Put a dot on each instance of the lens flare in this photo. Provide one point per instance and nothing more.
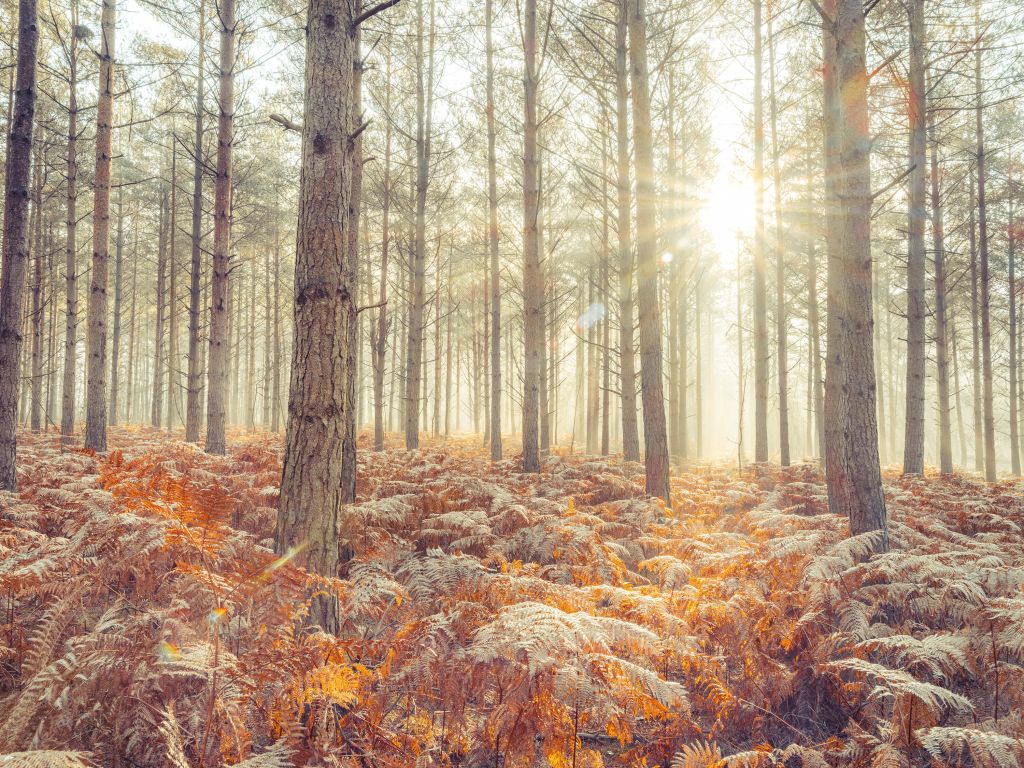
(593, 315)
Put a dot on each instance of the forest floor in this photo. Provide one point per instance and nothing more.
(491, 618)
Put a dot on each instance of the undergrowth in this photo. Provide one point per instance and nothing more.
(495, 619)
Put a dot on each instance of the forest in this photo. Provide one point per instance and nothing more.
(512, 384)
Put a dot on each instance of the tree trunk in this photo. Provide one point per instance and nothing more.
(96, 402)
(532, 288)
(782, 345)
(656, 458)
(38, 298)
(414, 347)
(1012, 298)
(115, 341)
(913, 443)
(627, 371)
(983, 276)
(130, 389)
(156, 403)
(193, 415)
(217, 366)
(380, 335)
(319, 401)
(851, 448)
(979, 431)
(492, 243)
(173, 374)
(941, 329)
(67, 412)
(760, 266)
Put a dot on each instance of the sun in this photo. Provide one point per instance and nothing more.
(728, 212)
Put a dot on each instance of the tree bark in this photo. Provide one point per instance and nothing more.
(193, 414)
(627, 370)
(983, 276)
(760, 265)
(115, 340)
(492, 243)
(156, 401)
(67, 412)
(532, 288)
(941, 328)
(782, 344)
(913, 443)
(656, 458)
(319, 401)
(96, 402)
(414, 346)
(380, 335)
(851, 451)
(217, 366)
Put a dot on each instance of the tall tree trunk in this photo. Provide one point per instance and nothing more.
(492, 243)
(983, 276)
(380, 335)
(193, 406)
(319, 401)
(38, 298)
(217, 367)
(941, 329)
(173, 373)
(961, 432)
(851, 449)
(156, 402)
(414, 347)
(760, 266)
(115, 341)
(1012, 298)
(96, 401)
(130, 389)
(627, 370)
(532, 287)
(544, 270)
(656, 458)
(67, 412)
(275, 409)
(782, 344)
(913, 442)
(979, 430)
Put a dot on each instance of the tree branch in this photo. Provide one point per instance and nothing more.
(285, 123)
(371, 12)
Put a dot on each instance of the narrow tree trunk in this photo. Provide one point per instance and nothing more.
(627, 371)
(913, 442)
(380, 335)
(193, 414)
(319, 400)
(760, 266)
(115, 341)
(961, 432)
(131, 389)
(983, 277)
(979, 430)
(656, 458)
(173, 373)
(67, 412)
(156, 403)
(38, 298)
(96, 402)
(217, 366)
(941, 330)
(1012, 298)
(275, 403)
(532, 288)
(492, 243)
(851, 447)
(782, 343)
(414, 347)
